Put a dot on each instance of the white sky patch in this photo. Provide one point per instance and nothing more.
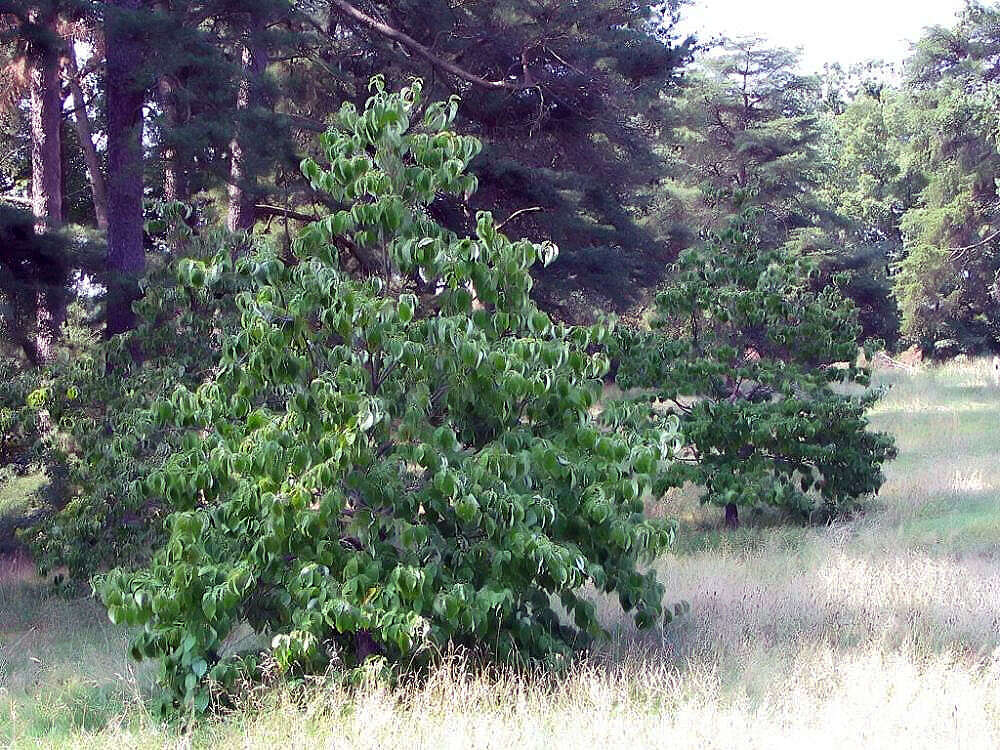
(845, 31)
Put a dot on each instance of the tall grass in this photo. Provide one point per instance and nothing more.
(880, 632)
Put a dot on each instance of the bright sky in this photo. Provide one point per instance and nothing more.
(845, 31)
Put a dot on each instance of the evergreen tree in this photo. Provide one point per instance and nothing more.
(34, 31)
(749, 131)
(863, 192)
(565, 97)
(46, 117)
(84, 123)
(125, 95)
(34, 276)
(947, 284)
(755, 132)
(254, 59)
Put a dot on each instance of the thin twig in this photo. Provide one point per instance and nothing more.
(517, 213)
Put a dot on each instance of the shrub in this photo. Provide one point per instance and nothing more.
(395, 459)
(748, 354)
(85, 416)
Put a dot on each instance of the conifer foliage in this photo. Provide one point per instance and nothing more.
(747, 133)
(393, 460)
(948, 285)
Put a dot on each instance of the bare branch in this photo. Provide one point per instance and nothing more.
(959, 250)
(414, 46)
(516, 214)
(266, 210)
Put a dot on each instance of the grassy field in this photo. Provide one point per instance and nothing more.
(879, 632)
(20, 499)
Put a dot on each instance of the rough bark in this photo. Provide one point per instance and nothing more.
(175, 183)
(50, 318)
(85, 134)
(46, 177)
(242, 174)
(174, 176)
(46, 148)
(126, 258)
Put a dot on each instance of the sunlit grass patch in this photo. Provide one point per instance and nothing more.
(973, 527)
(19, 496)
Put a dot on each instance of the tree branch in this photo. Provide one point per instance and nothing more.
(266, 210)
(960, 250)
(414, 46)
(303, 123)
(365, 258)
(514, 215)
(85, 134)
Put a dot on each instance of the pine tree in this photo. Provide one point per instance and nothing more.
(46, 115)
(947, 284)
(125, 95)
(31, 31)
(749, 130)
(85, 131)
(34, 28)
(566, 98)
(217, 127)
(863, 193)
(246, 155)
(34, 277)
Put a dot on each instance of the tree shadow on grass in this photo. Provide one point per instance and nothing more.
(701, 527)
(63, 665)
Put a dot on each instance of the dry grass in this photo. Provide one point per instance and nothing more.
(881, 632)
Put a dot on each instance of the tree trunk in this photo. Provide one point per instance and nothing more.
(175, 183)
(85, 134)
(126, 258)
(46, 120)
(22, 302)
(50, 318)
(732, 516)
(174, 177)
(242, 173)
(46, 177)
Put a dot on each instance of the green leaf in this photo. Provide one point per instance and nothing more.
(199, 667)
(209, 605)
(406, 307)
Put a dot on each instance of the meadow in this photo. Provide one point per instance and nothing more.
(879, 631)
